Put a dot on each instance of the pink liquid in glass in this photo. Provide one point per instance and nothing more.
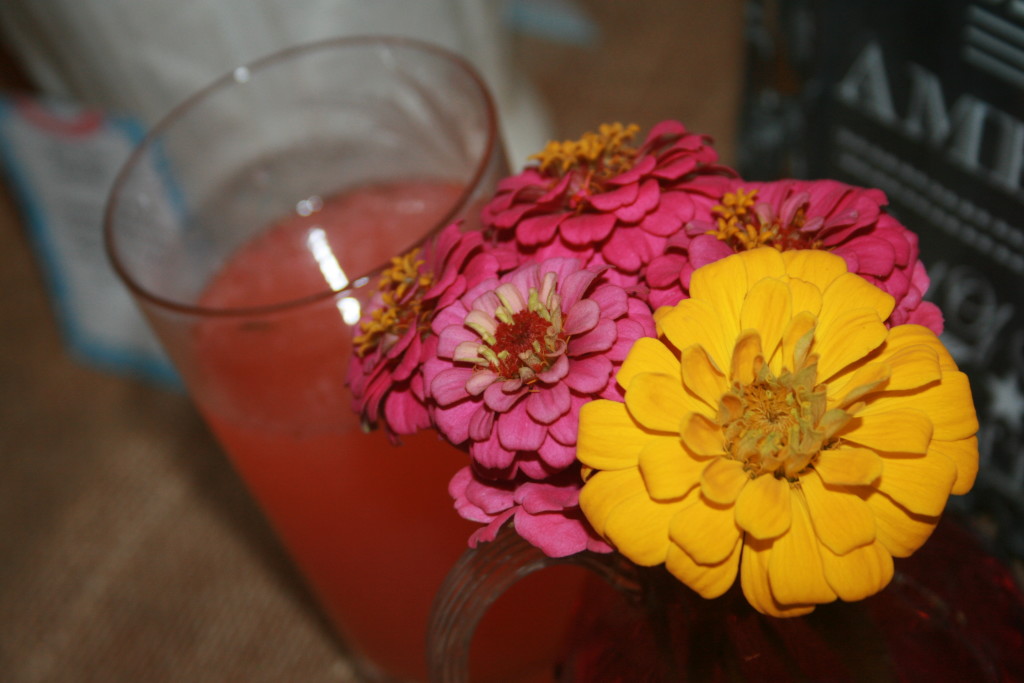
(370, 525)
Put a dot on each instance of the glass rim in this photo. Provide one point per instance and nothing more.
(229, 79)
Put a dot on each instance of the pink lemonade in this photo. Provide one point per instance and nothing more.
(370, 525)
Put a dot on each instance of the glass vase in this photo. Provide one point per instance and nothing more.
(952, 612)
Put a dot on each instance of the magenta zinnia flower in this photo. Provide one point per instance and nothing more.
(798, 214)
(517, 357)
(604, 201)
(384, 372)
(545, 513)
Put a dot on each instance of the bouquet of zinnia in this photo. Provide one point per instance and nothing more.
(643, 353)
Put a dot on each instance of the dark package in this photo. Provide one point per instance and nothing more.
(924, 100)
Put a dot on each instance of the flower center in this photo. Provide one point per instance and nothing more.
(744, 224)
(524, 337)
(401, 285)
(777, 425)
(593, 159)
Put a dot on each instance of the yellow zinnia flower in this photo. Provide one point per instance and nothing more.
(777, 429)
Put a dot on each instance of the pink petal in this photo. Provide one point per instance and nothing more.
(589, 375)
(518, 432)
(874, 256)
(489, 498)
(498, 399)
(705, 249)
(629, 249)
(556, 372)
(538, 497)
(644, 166)
(664, 270)
(929, 315)
(449, 385)
(553, 533)
(587, 228)
(490, 454)
(564, 430)
(646, 200)
(597, 340)
(490, 532)
(611, 299)
(548, 404)
(404, 414)
(582, 316)
(573, 286)
(451, 336)
(557, 455)
(453, 422)
(620, 196)
(539, 229)
(481, 424)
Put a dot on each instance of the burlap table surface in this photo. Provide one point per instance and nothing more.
(129, 549)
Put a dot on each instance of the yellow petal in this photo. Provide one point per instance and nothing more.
(702, 436)
(817, 267)
(911, 335)
(851, 289)
(900, 430)
(850, 387)
(806, 297)
(668, 470)
(701, 377)
(658, 402)
(708, 580)
(912, 366)
(756, 586)
(842, 521)
(921, 485)
(801, 324)
(638, 528)
(722, 480)
(695, 322)
(746, 356)
(761, 263)
(913, 361)
(848, 466)
(948, 404)
(900, 531)
(764, 508)
(964, 454)
(794, 567)
(722, 285)
(846, 337)
(705, 530)
(609, 438)
(767, 308)
(858, 574)
(604, 491)
(647, 355)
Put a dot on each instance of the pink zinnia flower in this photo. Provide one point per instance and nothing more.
(384, 372)
(606, 202)
(517, 357)
(798, 214)
(545, 513)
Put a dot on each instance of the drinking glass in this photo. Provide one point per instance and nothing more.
(251, 225)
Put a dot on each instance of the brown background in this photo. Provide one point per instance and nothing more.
(128, 548)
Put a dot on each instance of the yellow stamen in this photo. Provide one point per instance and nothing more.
(778, 425)
(401, 286)
(743, 228)
(603, 154)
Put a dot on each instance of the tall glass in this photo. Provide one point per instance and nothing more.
(250, 226)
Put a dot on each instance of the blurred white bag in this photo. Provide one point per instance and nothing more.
(142, 57)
